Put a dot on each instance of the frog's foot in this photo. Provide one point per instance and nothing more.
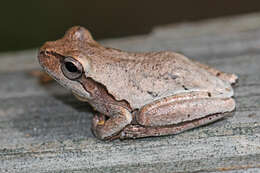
(43, 77)
(98, 121)
(229, 77)
(138, 131)
(177, 113)
(106, 129)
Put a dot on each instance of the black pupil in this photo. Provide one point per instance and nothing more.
(71, 67)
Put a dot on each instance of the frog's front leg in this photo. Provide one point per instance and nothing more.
(105, 129)
(43, 77)
(174, 114)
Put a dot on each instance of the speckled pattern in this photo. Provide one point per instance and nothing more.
(138, 78)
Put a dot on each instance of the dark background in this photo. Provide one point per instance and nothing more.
(29, 23)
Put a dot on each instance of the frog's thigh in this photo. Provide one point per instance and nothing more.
(175, 110)
(107, 128)
(137, 131)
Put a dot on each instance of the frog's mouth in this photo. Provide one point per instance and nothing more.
(81, 98)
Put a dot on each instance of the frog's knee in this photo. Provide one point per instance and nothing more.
(230, 104)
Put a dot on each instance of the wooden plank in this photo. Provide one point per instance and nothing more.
(44, 128)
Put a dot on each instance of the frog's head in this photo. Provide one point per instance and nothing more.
(65, 59)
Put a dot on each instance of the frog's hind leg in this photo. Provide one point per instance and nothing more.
(177, 113)
(229, 77)
(138, 131)
(183, 107)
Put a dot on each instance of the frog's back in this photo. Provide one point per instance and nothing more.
(141, 78)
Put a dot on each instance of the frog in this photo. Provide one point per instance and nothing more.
(137, 94)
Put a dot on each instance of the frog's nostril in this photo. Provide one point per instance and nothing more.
(43, 53)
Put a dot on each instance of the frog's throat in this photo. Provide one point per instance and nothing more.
(83, 99)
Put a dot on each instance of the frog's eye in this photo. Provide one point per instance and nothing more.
(71, 68)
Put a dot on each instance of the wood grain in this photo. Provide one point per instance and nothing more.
(44, 128)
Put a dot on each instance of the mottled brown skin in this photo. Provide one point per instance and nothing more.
(137, 94)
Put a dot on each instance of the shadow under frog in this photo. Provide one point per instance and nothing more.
(54, 116)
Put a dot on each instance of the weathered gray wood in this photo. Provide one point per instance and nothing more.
(44, 128)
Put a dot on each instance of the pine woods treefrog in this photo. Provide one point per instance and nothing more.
(137, 94)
